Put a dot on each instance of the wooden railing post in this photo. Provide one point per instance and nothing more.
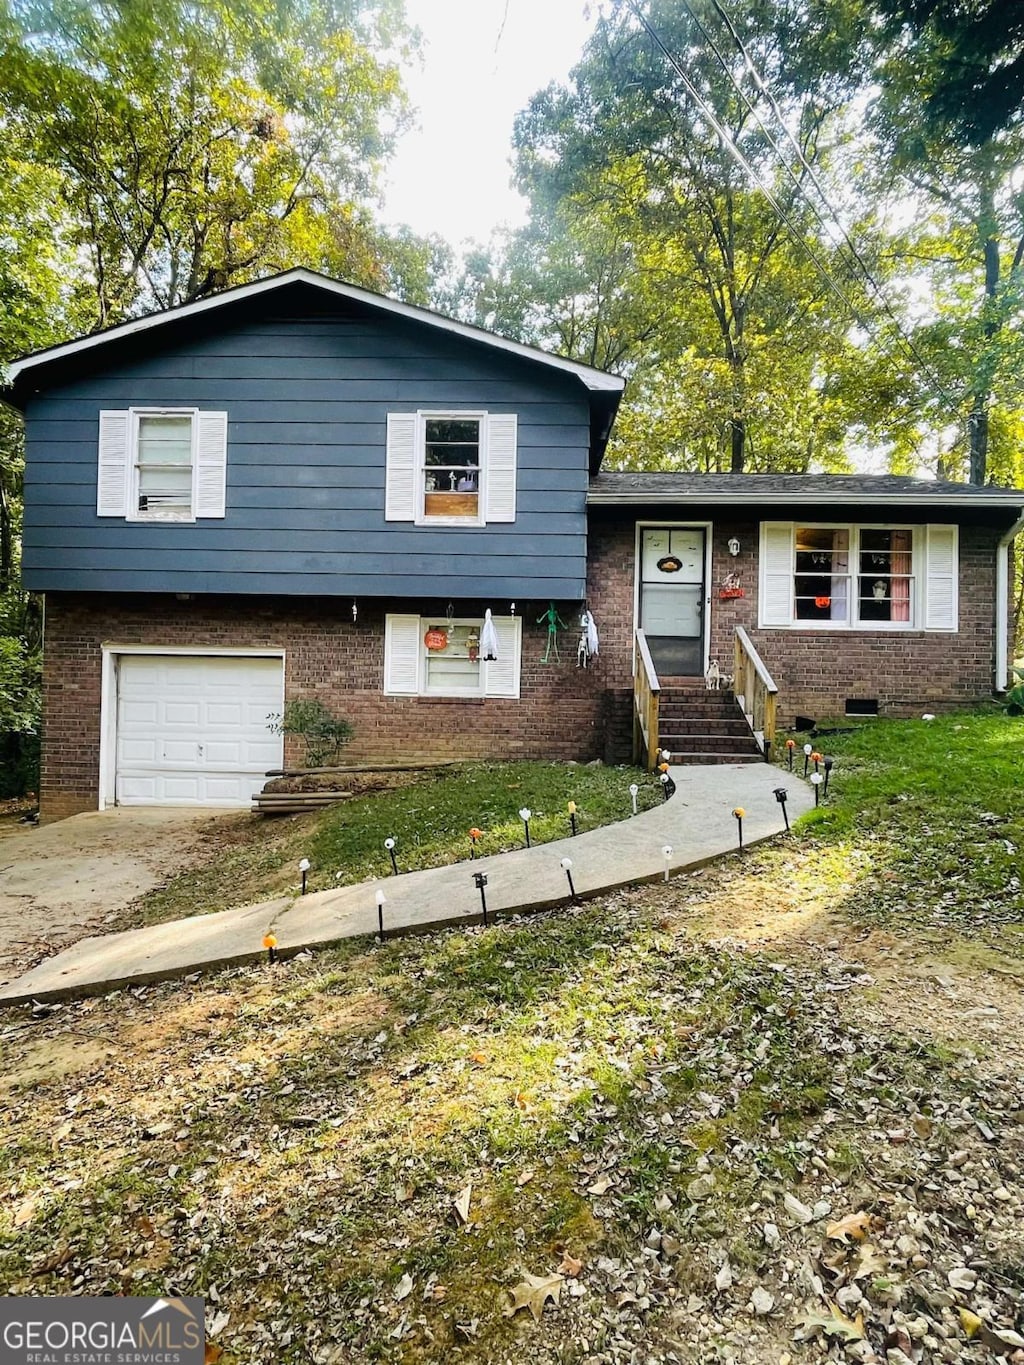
(646, 700)
(756, 686)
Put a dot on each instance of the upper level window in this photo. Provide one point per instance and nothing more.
(454, 468)
(163, 465)
(451, 467)
(859, 577)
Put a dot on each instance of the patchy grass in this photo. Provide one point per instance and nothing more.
(428, 814)
(933, 814)
(639, 1092)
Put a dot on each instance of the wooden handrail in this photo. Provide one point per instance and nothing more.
(646, 699)
(755, 690)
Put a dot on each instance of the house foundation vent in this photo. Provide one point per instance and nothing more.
(862, 706)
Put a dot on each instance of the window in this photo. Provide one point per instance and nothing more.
(858, 577)
(162, 464)
(451, 468)
(433, 656)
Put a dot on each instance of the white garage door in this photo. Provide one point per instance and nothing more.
(192, 731)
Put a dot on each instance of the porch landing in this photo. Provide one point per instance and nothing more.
(697, 823)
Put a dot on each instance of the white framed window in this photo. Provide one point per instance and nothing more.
(451, 467)
(162, 464)
(858, 577)
(434, 656)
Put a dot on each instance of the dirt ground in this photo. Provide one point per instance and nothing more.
(63, 881)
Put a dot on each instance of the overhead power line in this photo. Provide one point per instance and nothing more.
(727, 141)
(812, 175)
(795, 233)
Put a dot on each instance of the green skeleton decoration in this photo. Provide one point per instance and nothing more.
(554, 623)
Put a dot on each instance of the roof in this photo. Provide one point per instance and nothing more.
(597, 381)
(623, 488)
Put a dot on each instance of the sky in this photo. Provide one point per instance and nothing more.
(482, 60)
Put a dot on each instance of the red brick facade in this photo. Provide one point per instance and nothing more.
(816, 671)
(563, 712)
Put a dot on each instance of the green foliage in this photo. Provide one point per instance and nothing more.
(194, 147)
(323, 734)
(1015, 695)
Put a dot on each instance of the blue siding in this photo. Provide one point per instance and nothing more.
(307, 402)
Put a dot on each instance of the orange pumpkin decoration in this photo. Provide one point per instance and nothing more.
(436, 639)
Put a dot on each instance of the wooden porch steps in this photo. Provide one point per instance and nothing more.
(698, 726)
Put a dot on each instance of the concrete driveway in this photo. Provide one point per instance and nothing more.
(63, 881)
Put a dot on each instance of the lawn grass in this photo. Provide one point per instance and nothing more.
(934, 813)
(429, 818)
(625, 1084)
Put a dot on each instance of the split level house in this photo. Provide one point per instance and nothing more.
(300, 489)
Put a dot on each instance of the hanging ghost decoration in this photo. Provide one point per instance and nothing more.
(489, 638)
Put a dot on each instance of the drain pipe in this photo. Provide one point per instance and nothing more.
(1002, 604)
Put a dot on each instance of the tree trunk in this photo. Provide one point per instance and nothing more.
(978, 418)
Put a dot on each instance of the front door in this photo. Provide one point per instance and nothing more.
(672, 598)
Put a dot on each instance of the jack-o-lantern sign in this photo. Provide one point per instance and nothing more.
(436, 639)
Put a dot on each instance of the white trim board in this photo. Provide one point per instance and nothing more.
(108, 695)
(596, 380)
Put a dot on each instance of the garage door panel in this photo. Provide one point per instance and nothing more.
(192, 730)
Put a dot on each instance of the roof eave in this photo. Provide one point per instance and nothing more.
(637, 497)
(597, 381)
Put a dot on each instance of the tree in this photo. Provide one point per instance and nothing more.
(195, 147)
(696, 286)
(949, 120)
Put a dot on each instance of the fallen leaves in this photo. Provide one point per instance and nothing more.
(461, 1204)
(533, 1292)
(855, 1225)
(834, 1324)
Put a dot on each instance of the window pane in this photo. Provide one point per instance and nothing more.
(457, 667)
(462, 430)
(885, 581)
(164, 488)
(165, 440)
(822, 573)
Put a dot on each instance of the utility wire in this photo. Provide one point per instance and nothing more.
(811, 175)
(731, 147)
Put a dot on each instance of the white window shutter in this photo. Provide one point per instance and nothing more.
(402, 650)
(211, 447)
(400, 498)
(113, 474)
(776, 595)
(941, 572)
(500, 467)
(501, 675)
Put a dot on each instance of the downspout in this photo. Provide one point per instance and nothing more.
(1003, 604)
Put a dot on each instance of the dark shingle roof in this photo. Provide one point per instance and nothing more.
(627, 487)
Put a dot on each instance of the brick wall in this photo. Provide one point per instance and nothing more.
(561, 713)
(816, 671)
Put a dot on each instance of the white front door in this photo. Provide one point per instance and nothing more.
(192, 729)
(672, 598)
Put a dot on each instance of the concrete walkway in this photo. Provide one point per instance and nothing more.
(697, 823)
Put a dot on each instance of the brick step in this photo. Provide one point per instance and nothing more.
(705, 725)
(692, 759)
(725, 744)
(675, 711)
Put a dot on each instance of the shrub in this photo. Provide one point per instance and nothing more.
(324, 735)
